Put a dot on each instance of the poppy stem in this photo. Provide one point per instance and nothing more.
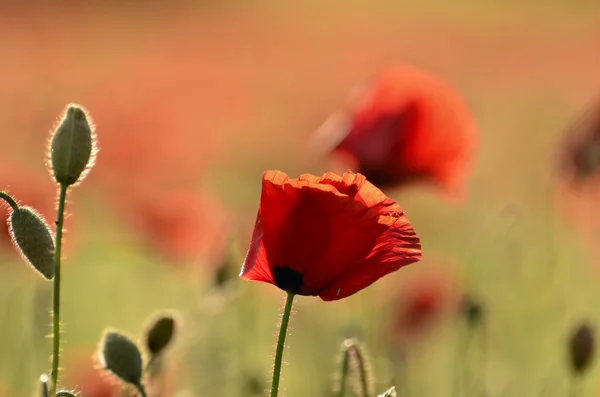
(345, 368)
(9, 200)
(56, 294)
(363, 372)
(285, 320)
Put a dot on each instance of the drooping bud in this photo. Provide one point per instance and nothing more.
(389, 393)
(160, 332)
(72, 146)
(582, 347)
(31, 236)
(121, 356)
(355, 358)
(65, 393)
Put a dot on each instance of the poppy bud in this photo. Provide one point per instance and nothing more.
(121, 356)
(355, 358)
(472, 310)
(32, 237)
(389, 393)
(582, 346)
(65, 393)
(72, 146)
(160, 332)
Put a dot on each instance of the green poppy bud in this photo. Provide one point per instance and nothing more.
(121, 356)
(160, 332)
(32, 237)
(72, 146)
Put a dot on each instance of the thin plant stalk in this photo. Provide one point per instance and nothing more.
(345, 371)
(56, 294)
(364, 377)
(285, 320)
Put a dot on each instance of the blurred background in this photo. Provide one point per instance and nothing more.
(194, 100)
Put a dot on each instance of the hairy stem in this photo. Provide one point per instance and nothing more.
(56, 294)
(345, 368)
(362, 370)
(285, 319)
(9, 200)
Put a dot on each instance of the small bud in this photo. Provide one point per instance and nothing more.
(65, 393)
(160, 331)
(472, 310)
(390, 393)
(32, 237)
(581, 348)
(121, 356)
(72, 146)
(355, 358)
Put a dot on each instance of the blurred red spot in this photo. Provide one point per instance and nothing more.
(422, 302)
(182, 225)
(82, 375)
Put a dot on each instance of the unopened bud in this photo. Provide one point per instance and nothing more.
(31, 236)
(72, 146)
(160, 332)
(390, 393)
(355, 357)
(472, 310)
(121, 356)
(582, 347)
(65, 393)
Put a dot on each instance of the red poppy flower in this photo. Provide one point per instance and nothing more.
(329, 237)
(405, 125)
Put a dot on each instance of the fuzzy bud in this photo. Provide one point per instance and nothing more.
(581, 348)
(65, 393)
(121, 356)
(160, 332)
(31, 236)
(389, 393)
(72, 146)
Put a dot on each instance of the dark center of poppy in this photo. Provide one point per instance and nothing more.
(288, 279)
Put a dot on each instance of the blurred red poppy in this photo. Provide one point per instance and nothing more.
(181, 224)
(422, 302)
(404, 126)
(327, 236)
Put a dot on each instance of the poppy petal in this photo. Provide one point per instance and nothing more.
(397, 247)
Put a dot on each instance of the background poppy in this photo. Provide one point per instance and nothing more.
(404, 125)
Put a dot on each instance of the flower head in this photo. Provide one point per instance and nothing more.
(405, 125)
(327, 236)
